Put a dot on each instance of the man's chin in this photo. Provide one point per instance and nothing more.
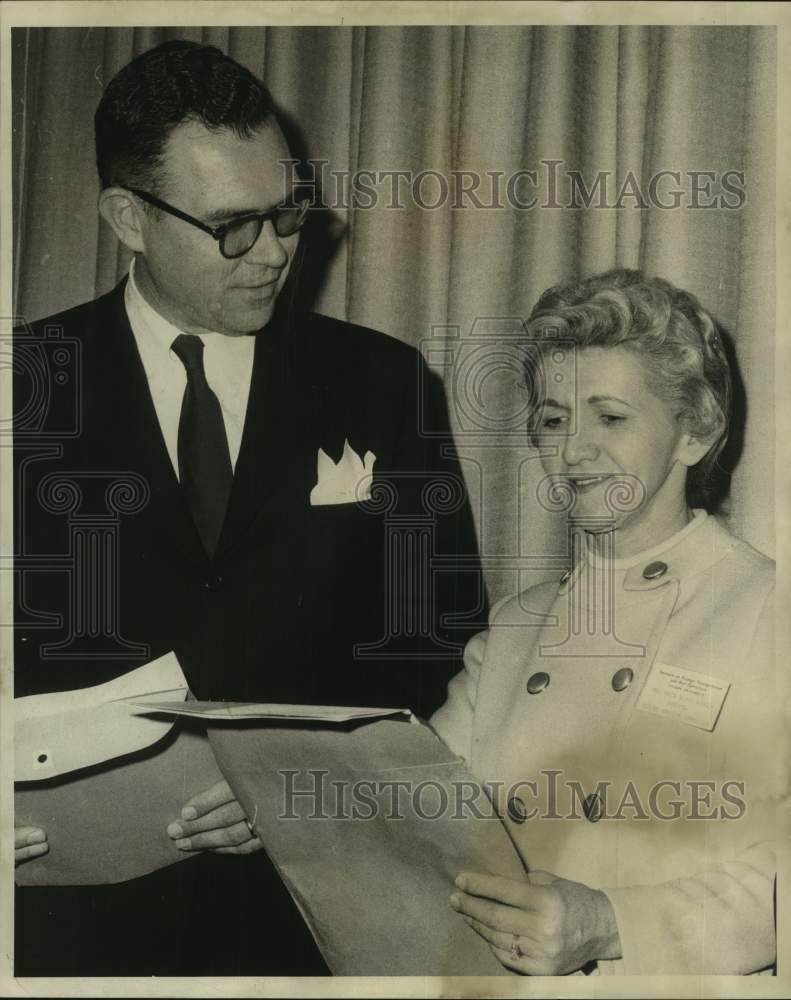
(244, 322)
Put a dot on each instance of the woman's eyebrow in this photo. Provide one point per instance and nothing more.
(609, 399)
(554, 404)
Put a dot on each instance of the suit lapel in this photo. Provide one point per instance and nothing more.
(276, 467)
(277, 458)
(127, 425)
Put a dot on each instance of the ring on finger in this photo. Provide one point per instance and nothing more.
(516, 951)
(250, 828)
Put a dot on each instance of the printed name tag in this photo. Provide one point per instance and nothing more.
(686, 695)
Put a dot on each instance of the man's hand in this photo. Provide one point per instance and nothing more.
(546, 926)
(214, 821)
(29, 842)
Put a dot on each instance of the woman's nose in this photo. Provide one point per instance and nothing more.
(580, 446)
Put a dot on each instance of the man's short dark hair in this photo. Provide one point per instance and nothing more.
(174, 83)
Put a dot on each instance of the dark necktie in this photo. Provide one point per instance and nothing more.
(204, 460)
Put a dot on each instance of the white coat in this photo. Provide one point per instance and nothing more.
(690, 895)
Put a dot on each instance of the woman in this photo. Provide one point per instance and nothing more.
(625, 713)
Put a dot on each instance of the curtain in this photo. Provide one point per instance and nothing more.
(446, 272)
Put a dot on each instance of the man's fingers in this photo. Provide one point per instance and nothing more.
(229, 836)
(27, 835)
(226, 815)
(202, 803)
(33, 851)
(249, 847)
(513, 892)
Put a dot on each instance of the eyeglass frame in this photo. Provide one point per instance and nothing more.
(220, 232)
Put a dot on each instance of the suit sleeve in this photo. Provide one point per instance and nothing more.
(721, 921)
(453, 722)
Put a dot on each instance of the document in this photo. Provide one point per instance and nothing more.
(366, 814)
(368, 827)
(219, 711)
(103, 780)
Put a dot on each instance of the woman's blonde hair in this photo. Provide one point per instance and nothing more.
(685, 361)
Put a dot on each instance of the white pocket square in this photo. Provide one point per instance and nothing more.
(348, 481)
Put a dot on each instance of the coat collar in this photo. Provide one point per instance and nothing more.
(695, 549)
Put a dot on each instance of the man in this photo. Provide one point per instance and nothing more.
(241, 420)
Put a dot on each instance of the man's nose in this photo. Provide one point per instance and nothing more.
(580, 446)
(268, 249)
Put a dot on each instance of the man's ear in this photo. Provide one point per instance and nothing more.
(692, 449)
(124, 215)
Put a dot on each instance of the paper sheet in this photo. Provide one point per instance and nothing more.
(60, 732)
(374, 891)
(103, 780)
(240, 710)
(361, 810)
(108, 823)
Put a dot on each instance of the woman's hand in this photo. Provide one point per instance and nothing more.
(546, 926)
(29, 842)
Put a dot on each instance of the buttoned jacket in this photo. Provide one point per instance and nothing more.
(555, 708)
(293, 606)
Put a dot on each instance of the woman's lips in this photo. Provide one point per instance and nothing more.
(584, 483)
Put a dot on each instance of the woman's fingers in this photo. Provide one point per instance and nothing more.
(497, 916)
(512, 892)
(498, 939)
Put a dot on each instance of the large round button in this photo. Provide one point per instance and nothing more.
(213, 582)
(516, 809)
(537, 682)
(655, 569)
(622, 678)
(593, 808)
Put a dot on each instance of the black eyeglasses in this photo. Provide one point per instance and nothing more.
(239, 235)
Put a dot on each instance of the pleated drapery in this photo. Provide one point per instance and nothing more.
(445, 270)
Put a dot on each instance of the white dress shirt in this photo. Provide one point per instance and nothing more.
(228, 362)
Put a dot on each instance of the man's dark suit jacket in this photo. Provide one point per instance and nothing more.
(110, 573)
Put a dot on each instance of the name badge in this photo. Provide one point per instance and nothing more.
(686, 695)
